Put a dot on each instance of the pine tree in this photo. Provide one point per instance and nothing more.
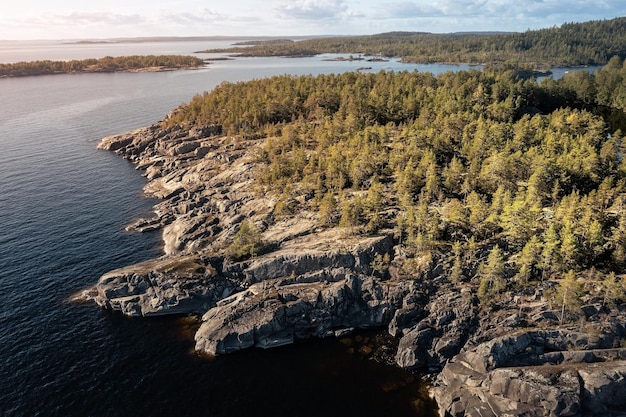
(613, 289)
(568, 295)
(247, 242)
(550, 259)
(528, 260)
(569, 248)
(492, 276)
(453, 175)
(328, 209)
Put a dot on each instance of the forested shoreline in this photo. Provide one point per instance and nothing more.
(106, 64)
(504, 181)
(571, 44)
(479, 216)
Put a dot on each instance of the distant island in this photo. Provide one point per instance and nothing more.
(262, 42)
(571, 44)
(133, 63)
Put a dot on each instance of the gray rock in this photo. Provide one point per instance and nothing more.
(510, 374)
(267, 315)
(432, 341)
(168, 285)
(604, 388)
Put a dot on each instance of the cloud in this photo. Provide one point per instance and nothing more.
(186, 18)
(90, 18)
(441, 8)
(512, 15)
(313, 9)
(498, 8)
(408, 9)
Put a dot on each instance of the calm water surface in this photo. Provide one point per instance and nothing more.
(63, 207)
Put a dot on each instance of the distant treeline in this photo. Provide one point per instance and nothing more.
(106, 64)
(589, 43)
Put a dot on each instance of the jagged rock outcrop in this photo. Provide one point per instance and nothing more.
(311, 282)
(535, 373)
(169, 285)
(440, 334)
(276, 312)
(206, 184)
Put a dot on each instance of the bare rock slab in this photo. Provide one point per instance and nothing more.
(168, 285)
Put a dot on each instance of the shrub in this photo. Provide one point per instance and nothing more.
(246, 243)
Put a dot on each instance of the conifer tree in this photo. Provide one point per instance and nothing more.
(328, 209)
(569, 247)
(492, 276)
(528, 260)
(568, 295)
(550, 259)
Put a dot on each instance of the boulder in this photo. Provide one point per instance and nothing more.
(520, 375)
(165, 286)
(294, 259)
(274, 312)
(604, 388)
(448, 321)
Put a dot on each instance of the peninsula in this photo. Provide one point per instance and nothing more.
(133, 63)
(478, 217)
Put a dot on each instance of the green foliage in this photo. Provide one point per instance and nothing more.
(528, 261)
(613, 289)
(456, 272)
(328, 210)
(492, 277)
(246, 243)
(380, 265)
(567, 295)
(550, 261)
(106, 64)
(589, 43)
(467, 160)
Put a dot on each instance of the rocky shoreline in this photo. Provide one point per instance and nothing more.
(312, 282)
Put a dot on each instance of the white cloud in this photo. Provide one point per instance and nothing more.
(313, 9)
(28, 19)
(184, 18)
(491, 15)
(503, 9)
(101, 18)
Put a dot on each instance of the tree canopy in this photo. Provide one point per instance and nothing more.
(588, 43)
(506, 179)
(106, 64)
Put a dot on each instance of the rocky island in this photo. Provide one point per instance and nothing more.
(477, 217)
(132, 63)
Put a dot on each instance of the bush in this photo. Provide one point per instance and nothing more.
(246, 243)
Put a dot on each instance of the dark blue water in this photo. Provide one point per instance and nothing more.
(63, 208)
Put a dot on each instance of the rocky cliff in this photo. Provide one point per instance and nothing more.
(307, 281)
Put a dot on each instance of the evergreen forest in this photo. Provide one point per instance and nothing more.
(501, 181)
(106, 64)
(571, 44)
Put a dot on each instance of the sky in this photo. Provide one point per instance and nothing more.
(80, 19)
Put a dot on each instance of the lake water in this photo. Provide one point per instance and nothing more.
(63, 208)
